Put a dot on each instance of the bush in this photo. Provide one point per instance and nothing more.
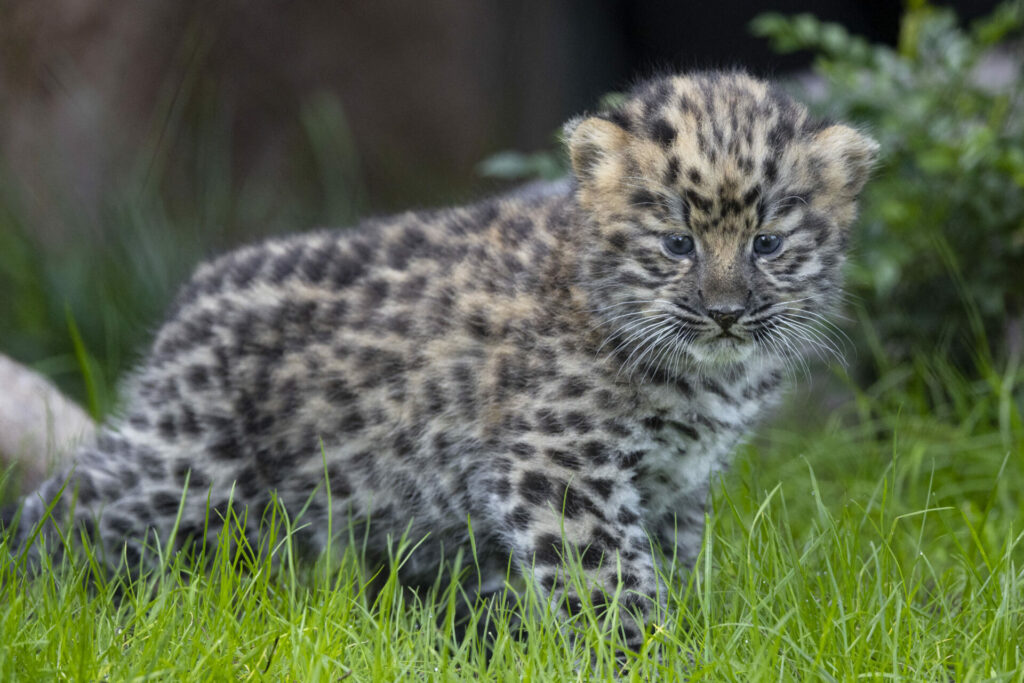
(940, 254)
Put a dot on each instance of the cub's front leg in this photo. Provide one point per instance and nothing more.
(557, 500)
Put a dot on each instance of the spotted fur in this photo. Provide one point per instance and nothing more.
(539, 364)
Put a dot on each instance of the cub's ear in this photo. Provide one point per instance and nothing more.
(592, 143)
(852, 154)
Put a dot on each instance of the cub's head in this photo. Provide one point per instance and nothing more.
(717, 214)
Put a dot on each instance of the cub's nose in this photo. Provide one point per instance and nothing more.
(725, 317)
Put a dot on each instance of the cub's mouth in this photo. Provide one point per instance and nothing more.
(727, 335)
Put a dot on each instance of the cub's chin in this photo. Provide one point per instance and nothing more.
(722, 350)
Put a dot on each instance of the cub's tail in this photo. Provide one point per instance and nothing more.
(37, 515)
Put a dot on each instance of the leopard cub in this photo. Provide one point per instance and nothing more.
(568, 370)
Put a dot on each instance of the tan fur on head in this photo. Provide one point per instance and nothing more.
(591, 142)
(596, 148)
(713, 140)
(721, 193)
(841, 162)
(852, 155)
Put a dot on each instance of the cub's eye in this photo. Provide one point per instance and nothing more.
(767, 244)
(677, 246)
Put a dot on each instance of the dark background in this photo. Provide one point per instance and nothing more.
(89, 88)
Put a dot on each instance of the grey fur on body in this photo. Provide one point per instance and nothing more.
(560, 367)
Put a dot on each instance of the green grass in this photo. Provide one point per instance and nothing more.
(882, 543)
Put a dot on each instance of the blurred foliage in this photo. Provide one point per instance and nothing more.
(80, 307)
(939, 262)
(512, 165)
(545, 164)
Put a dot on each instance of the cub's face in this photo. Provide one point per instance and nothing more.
(718, 215)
